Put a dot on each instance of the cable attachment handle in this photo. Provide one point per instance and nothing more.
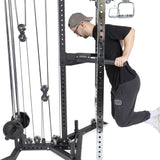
(112, 62)
(44, 90)
(125, 1)
(125, 9)
(21, 28)
(107, 1)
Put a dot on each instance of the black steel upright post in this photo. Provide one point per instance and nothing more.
(100, 50)
(62, 68)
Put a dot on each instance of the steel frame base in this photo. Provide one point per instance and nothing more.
(68, 150)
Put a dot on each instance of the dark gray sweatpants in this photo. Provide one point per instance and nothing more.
(123, 103)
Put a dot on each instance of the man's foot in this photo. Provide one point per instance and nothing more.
(155, 113)
(154, 119)
(156, 123)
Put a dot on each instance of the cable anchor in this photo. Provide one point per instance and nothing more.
(44, 90)
(21, 28)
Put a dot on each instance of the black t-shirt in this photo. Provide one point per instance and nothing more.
(113, 49)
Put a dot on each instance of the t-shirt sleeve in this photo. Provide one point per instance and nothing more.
(117, 32)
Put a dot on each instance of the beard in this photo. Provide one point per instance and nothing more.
(85, 36)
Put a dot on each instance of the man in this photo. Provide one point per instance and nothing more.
(124, 80)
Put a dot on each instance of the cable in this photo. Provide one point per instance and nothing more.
(25, 13)
(34, 3)
(42, 121)
(20, 51)
(46, 25)
(28, 64)
(10, 61)
(39, 60)
(47, 58)
(20, 55)
(29, 77)
(15, 4)
(14, 55)
(50, 118)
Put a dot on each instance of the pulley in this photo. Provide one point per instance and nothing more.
(21, 28)
(44, 90)
(23, 119)
(13, 130)
(29, 141)
(43, 140)
(37, 140)
(22, 37)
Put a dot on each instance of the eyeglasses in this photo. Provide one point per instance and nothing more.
(76, 29)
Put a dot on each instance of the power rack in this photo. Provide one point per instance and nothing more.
(67, 146)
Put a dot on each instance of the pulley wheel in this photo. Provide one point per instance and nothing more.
(21, 27)
(23, 119)
(13, 130)
(22, 37)
(37, 140)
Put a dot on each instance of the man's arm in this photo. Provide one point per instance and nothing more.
(128, 45)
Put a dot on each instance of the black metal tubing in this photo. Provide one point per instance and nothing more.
(83, 130)
(61, 6)
(74, 146)
(30, 147)
(13, 155)
(79, 58)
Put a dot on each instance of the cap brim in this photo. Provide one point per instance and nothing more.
(89, 19)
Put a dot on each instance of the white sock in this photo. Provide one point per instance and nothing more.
(151, 121)
(154, 113)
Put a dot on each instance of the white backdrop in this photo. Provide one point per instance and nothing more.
(136, 142)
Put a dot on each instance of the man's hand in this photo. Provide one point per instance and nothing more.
(120, 61)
